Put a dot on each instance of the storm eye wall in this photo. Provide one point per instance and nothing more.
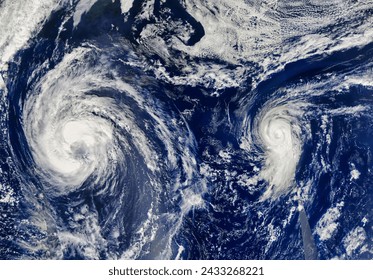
(185, 129)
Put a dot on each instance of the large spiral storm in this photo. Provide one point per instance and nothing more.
(186, 129)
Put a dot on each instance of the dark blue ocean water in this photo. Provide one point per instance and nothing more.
(130, 209)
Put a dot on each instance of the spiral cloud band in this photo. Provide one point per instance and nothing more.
(70, 129)
(215, 129)
(280, 133)
(81, 123)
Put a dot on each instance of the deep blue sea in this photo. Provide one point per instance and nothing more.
(186, 129)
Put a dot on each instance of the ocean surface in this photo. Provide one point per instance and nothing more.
(186, 129)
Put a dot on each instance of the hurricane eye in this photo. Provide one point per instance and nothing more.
(80, 150)
(277, 129)
(186, 129)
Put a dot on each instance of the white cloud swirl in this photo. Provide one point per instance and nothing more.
(68, 137)
(279, 130)
(89, 129)
(275, 137)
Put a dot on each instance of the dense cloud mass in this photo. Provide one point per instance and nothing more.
(188, 129)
